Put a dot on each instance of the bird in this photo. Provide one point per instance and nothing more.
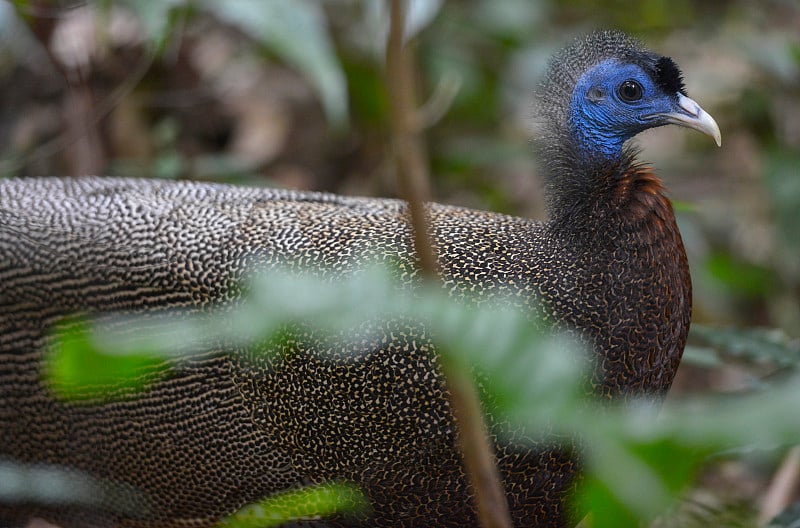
(224, 431)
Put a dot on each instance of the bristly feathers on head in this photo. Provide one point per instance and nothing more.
(568, 173)
(669, 77)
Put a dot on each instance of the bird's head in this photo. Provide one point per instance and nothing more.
(618, 98)
(605, 89)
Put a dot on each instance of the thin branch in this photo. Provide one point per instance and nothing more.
(782, 489)
(412, 175)
(410, 155)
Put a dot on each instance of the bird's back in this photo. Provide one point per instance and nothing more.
(226, 431)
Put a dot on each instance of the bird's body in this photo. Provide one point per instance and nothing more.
(222, 432)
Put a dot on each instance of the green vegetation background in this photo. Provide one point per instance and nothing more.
(292, 94)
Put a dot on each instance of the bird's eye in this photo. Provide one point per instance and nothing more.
(630, 91)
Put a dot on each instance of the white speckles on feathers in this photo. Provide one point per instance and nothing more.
(224, 431)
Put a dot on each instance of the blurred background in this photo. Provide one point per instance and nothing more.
(292, 94)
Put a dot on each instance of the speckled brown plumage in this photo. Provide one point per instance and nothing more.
(225, 431)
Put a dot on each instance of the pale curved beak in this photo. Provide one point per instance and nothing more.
(690, 115)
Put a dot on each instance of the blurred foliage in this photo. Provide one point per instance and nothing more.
(639, 459)
(306, 503)
(122, 371)
(765, 346)
(277, 26)
(788, 519)
(292, 94)
(60, 487)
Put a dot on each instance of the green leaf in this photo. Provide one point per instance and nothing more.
(61, 487)
(305, 503)
(78, 369)
(783, 184)
(627, 480)
(682, 206)
(637, 459)
(595, 496)
(701, 356)
(671, 458)
(756, 345)
(367, 93)
(296, 32)
(741, 277)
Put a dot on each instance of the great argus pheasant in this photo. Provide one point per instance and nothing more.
(221, 432)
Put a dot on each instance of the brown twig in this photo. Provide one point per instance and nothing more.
(410, 155)
(782, 489)
(412, 175)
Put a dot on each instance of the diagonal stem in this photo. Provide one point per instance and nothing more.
(412, 175)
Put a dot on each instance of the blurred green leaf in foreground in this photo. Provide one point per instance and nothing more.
(638, 459)
(305, 503)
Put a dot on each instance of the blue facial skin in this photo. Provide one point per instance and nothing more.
(601, 122)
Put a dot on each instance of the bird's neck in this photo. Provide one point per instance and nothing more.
(622, 235)
(637, 201)
(639, 193)
(596, 197)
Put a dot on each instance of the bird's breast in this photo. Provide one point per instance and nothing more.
(627, 288)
